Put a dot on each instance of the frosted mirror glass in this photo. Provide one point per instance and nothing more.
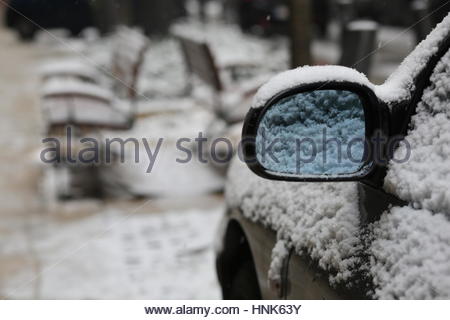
(320, 132)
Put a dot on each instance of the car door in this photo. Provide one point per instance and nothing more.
(418, 95)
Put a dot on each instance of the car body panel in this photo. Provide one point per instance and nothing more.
(303, 279)
(306, 282)
(259, 239)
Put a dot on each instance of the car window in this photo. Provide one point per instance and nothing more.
(424, 179)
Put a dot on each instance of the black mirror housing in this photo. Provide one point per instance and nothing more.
(375, 121)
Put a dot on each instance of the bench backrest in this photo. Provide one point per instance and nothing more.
(129, 48)
(200, 61)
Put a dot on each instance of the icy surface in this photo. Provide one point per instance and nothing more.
(320, 132)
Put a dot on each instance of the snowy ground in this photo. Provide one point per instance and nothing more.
(145, 250)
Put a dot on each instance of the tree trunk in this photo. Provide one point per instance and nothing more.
(156, 16)
(300, 32)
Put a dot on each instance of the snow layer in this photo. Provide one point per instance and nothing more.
(231, 47)
(424, 179)
(71, 86)
(67, 68)
(411, 247)
(410, 255)
(400, 83)
(320, 219)
(162, 73)
(120, 254)
(168, 178)
(81, 110)
(306, 75)
(279, 254)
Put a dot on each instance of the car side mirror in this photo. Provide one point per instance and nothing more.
(316, 132)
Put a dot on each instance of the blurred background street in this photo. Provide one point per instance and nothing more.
(88, 249)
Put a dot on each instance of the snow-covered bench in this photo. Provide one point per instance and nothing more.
(230, 102)
(85, 68)
(69, 98)
(76, 68)
(82, 106)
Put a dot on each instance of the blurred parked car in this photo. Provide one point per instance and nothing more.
(29, 16)
(368, 223)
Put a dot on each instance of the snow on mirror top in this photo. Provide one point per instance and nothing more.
(313, 133)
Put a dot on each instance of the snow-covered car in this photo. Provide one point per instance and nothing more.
(307, 219)
(29, 16)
